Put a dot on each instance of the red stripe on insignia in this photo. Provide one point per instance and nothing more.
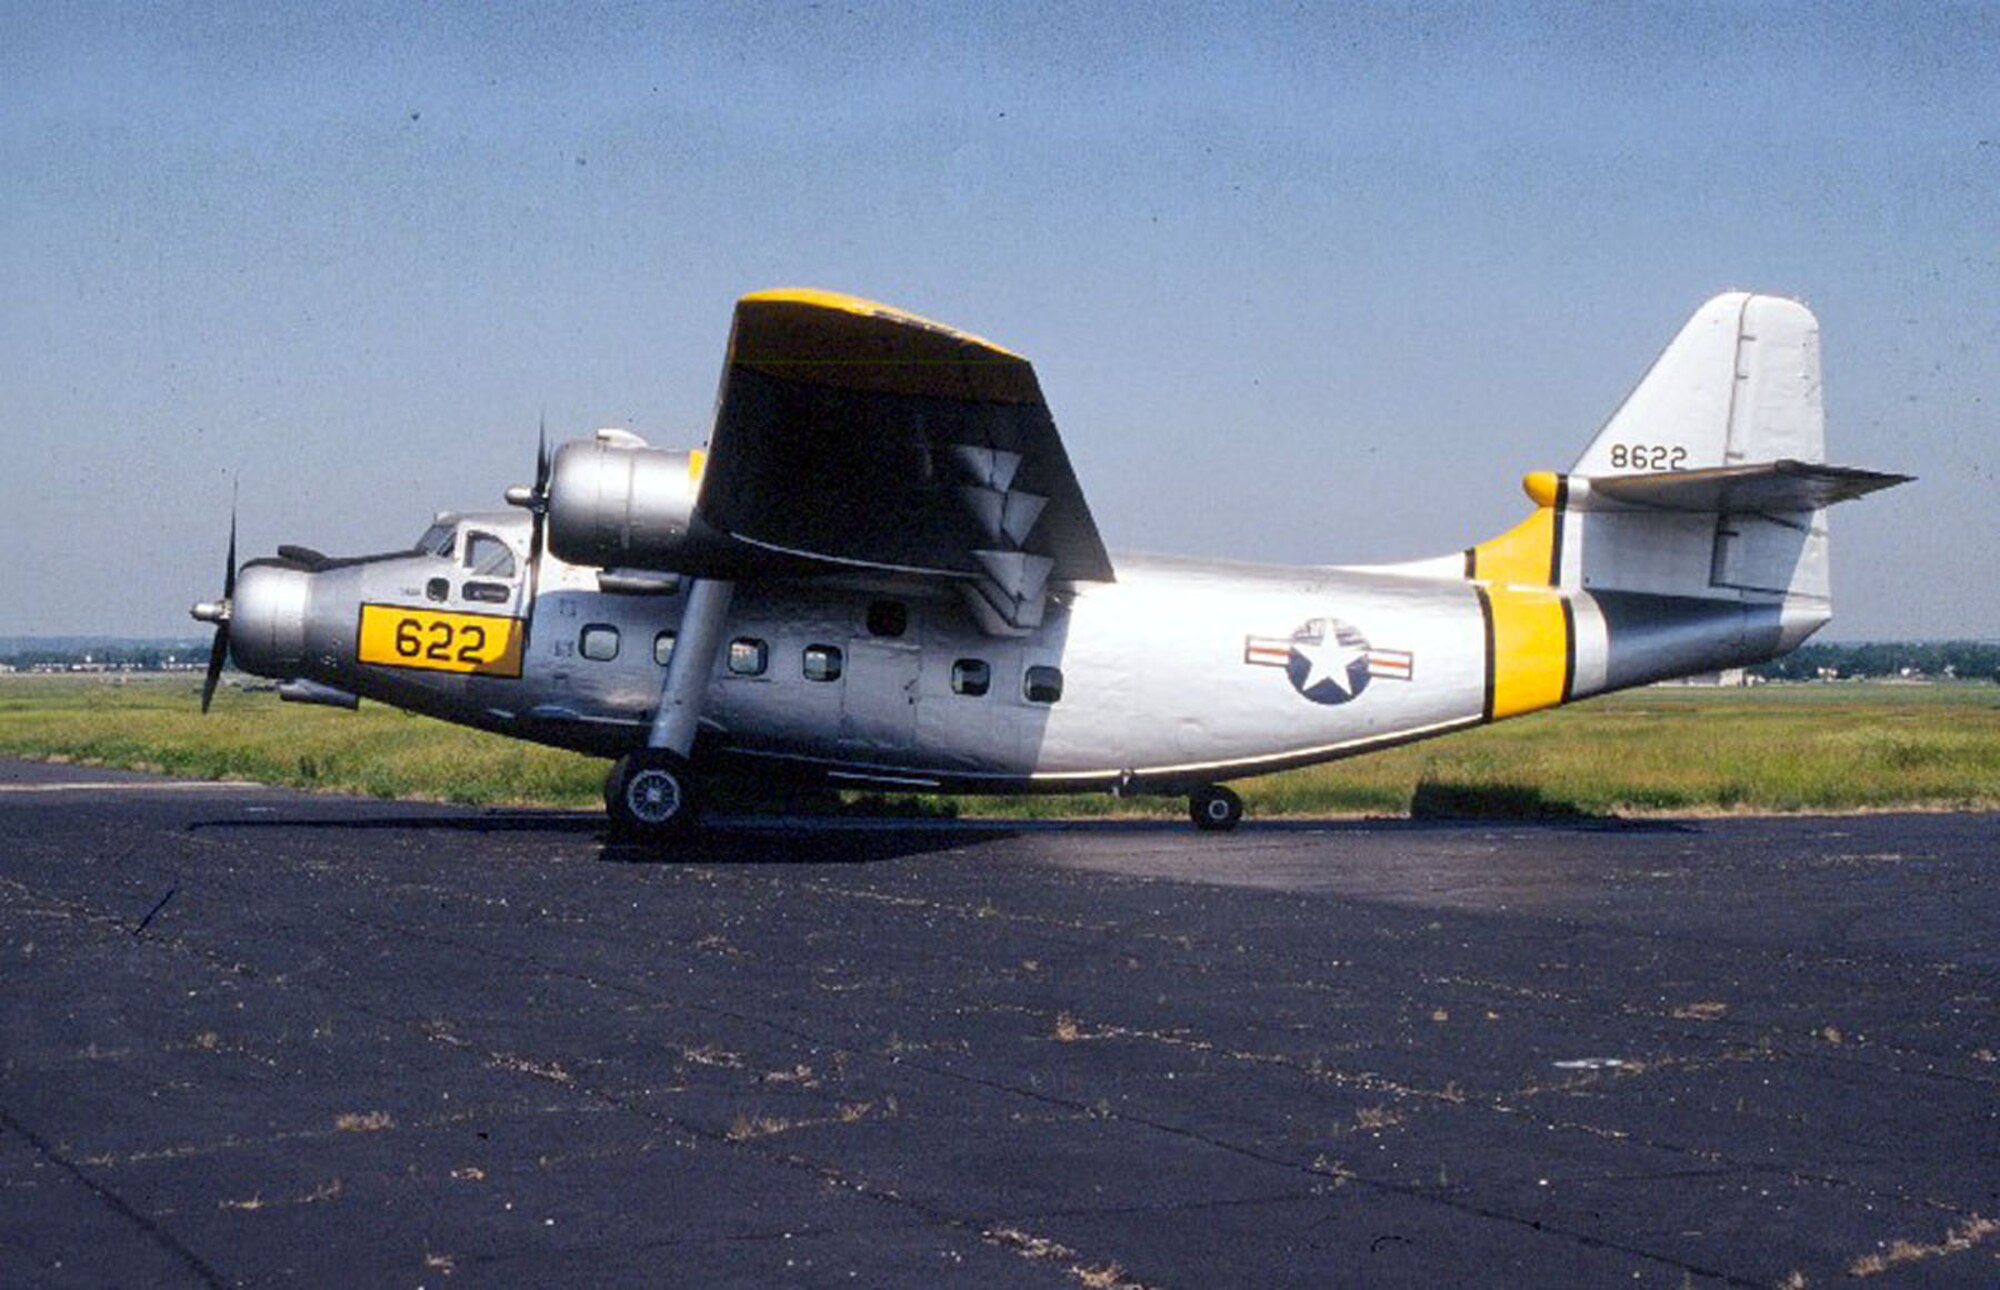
(1267, 653)
(1391, 664)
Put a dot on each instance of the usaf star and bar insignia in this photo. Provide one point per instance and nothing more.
(1327, 660)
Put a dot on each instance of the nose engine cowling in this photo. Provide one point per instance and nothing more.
(267, 619)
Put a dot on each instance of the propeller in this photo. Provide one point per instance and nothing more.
(540, 505)
(219, 612)
(535, 500)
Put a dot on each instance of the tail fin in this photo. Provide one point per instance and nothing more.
(1707, 483)
(1739, 384)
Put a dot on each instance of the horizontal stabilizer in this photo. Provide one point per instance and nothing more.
(1768, 488)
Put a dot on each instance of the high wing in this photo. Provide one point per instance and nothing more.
(851, 433)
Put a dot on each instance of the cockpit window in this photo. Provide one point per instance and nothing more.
(436, 541)
(488, 557)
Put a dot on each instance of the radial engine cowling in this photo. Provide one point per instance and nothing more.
(617, 504)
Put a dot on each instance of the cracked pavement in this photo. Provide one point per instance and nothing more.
(251, 1036)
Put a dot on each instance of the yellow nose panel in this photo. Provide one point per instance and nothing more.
(433, 641)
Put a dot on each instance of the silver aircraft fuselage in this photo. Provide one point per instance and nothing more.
(1181, 673)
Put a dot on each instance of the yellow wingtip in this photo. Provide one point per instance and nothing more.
(841, 302)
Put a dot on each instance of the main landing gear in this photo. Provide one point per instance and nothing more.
(650, 793)
(1215, 809)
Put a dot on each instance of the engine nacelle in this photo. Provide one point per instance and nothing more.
(615, 503)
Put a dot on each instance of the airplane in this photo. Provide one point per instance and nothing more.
(881, 573)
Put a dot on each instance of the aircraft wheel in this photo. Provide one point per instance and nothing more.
(653, 796)
(1215, 809)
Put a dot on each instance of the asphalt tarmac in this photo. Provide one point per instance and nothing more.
(250, 1036)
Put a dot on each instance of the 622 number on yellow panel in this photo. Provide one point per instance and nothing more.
(398, 636)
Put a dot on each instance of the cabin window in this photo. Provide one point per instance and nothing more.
(1042, 684)
(971, 677)
(599, 642)
(748, 656)
(821, 663)
(491, 593)
(438, 589)
(663, 648)
(888, 618)
(488, 557)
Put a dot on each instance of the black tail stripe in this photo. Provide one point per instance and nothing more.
(1486, 618)
(1556, 543)
(1569, 650)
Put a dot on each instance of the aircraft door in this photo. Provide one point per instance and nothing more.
(878, 701)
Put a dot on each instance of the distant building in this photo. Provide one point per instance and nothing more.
(1727, 678)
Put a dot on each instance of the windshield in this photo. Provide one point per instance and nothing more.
(435, 541)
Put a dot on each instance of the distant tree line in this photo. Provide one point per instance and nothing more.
(140, 656)
(1966, 660)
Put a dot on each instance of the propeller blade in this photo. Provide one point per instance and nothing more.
(542, 462)
(538, 500)
(229, 569)
(218, 653)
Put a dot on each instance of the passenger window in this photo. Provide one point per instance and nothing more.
(438, 589)
(488, 557)
(599, 642)
(971, 677)
(1042, 684)
(822, 663)
(491, 593)
(888, 618)
(748, 657)
(663, 648)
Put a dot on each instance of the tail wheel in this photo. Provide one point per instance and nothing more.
(1215, 809)
(652, 795)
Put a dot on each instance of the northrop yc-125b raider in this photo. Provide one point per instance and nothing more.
(881, 573)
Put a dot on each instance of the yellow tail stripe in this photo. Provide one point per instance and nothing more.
(1530, 650)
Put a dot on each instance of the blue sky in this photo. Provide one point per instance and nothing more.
(1310, 287)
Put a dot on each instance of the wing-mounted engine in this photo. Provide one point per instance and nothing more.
(615, 503)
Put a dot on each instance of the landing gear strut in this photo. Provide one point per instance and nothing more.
(650, 792)
(1215, 809)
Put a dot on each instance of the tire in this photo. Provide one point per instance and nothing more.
(652, 796)
(1215, 809)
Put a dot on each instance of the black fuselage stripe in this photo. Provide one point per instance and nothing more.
(1486, 620)
(1569, 650)
(1556, 541)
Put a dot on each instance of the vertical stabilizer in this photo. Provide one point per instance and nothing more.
(1739, 384)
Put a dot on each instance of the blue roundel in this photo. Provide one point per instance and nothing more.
(1329, 661)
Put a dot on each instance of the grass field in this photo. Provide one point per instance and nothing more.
(1839, 747)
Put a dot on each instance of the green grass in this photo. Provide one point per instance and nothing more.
(1840, 747)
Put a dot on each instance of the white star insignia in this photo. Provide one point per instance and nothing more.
(1329, 661)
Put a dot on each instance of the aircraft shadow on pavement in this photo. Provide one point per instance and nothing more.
(747, 842)
(852, 840)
